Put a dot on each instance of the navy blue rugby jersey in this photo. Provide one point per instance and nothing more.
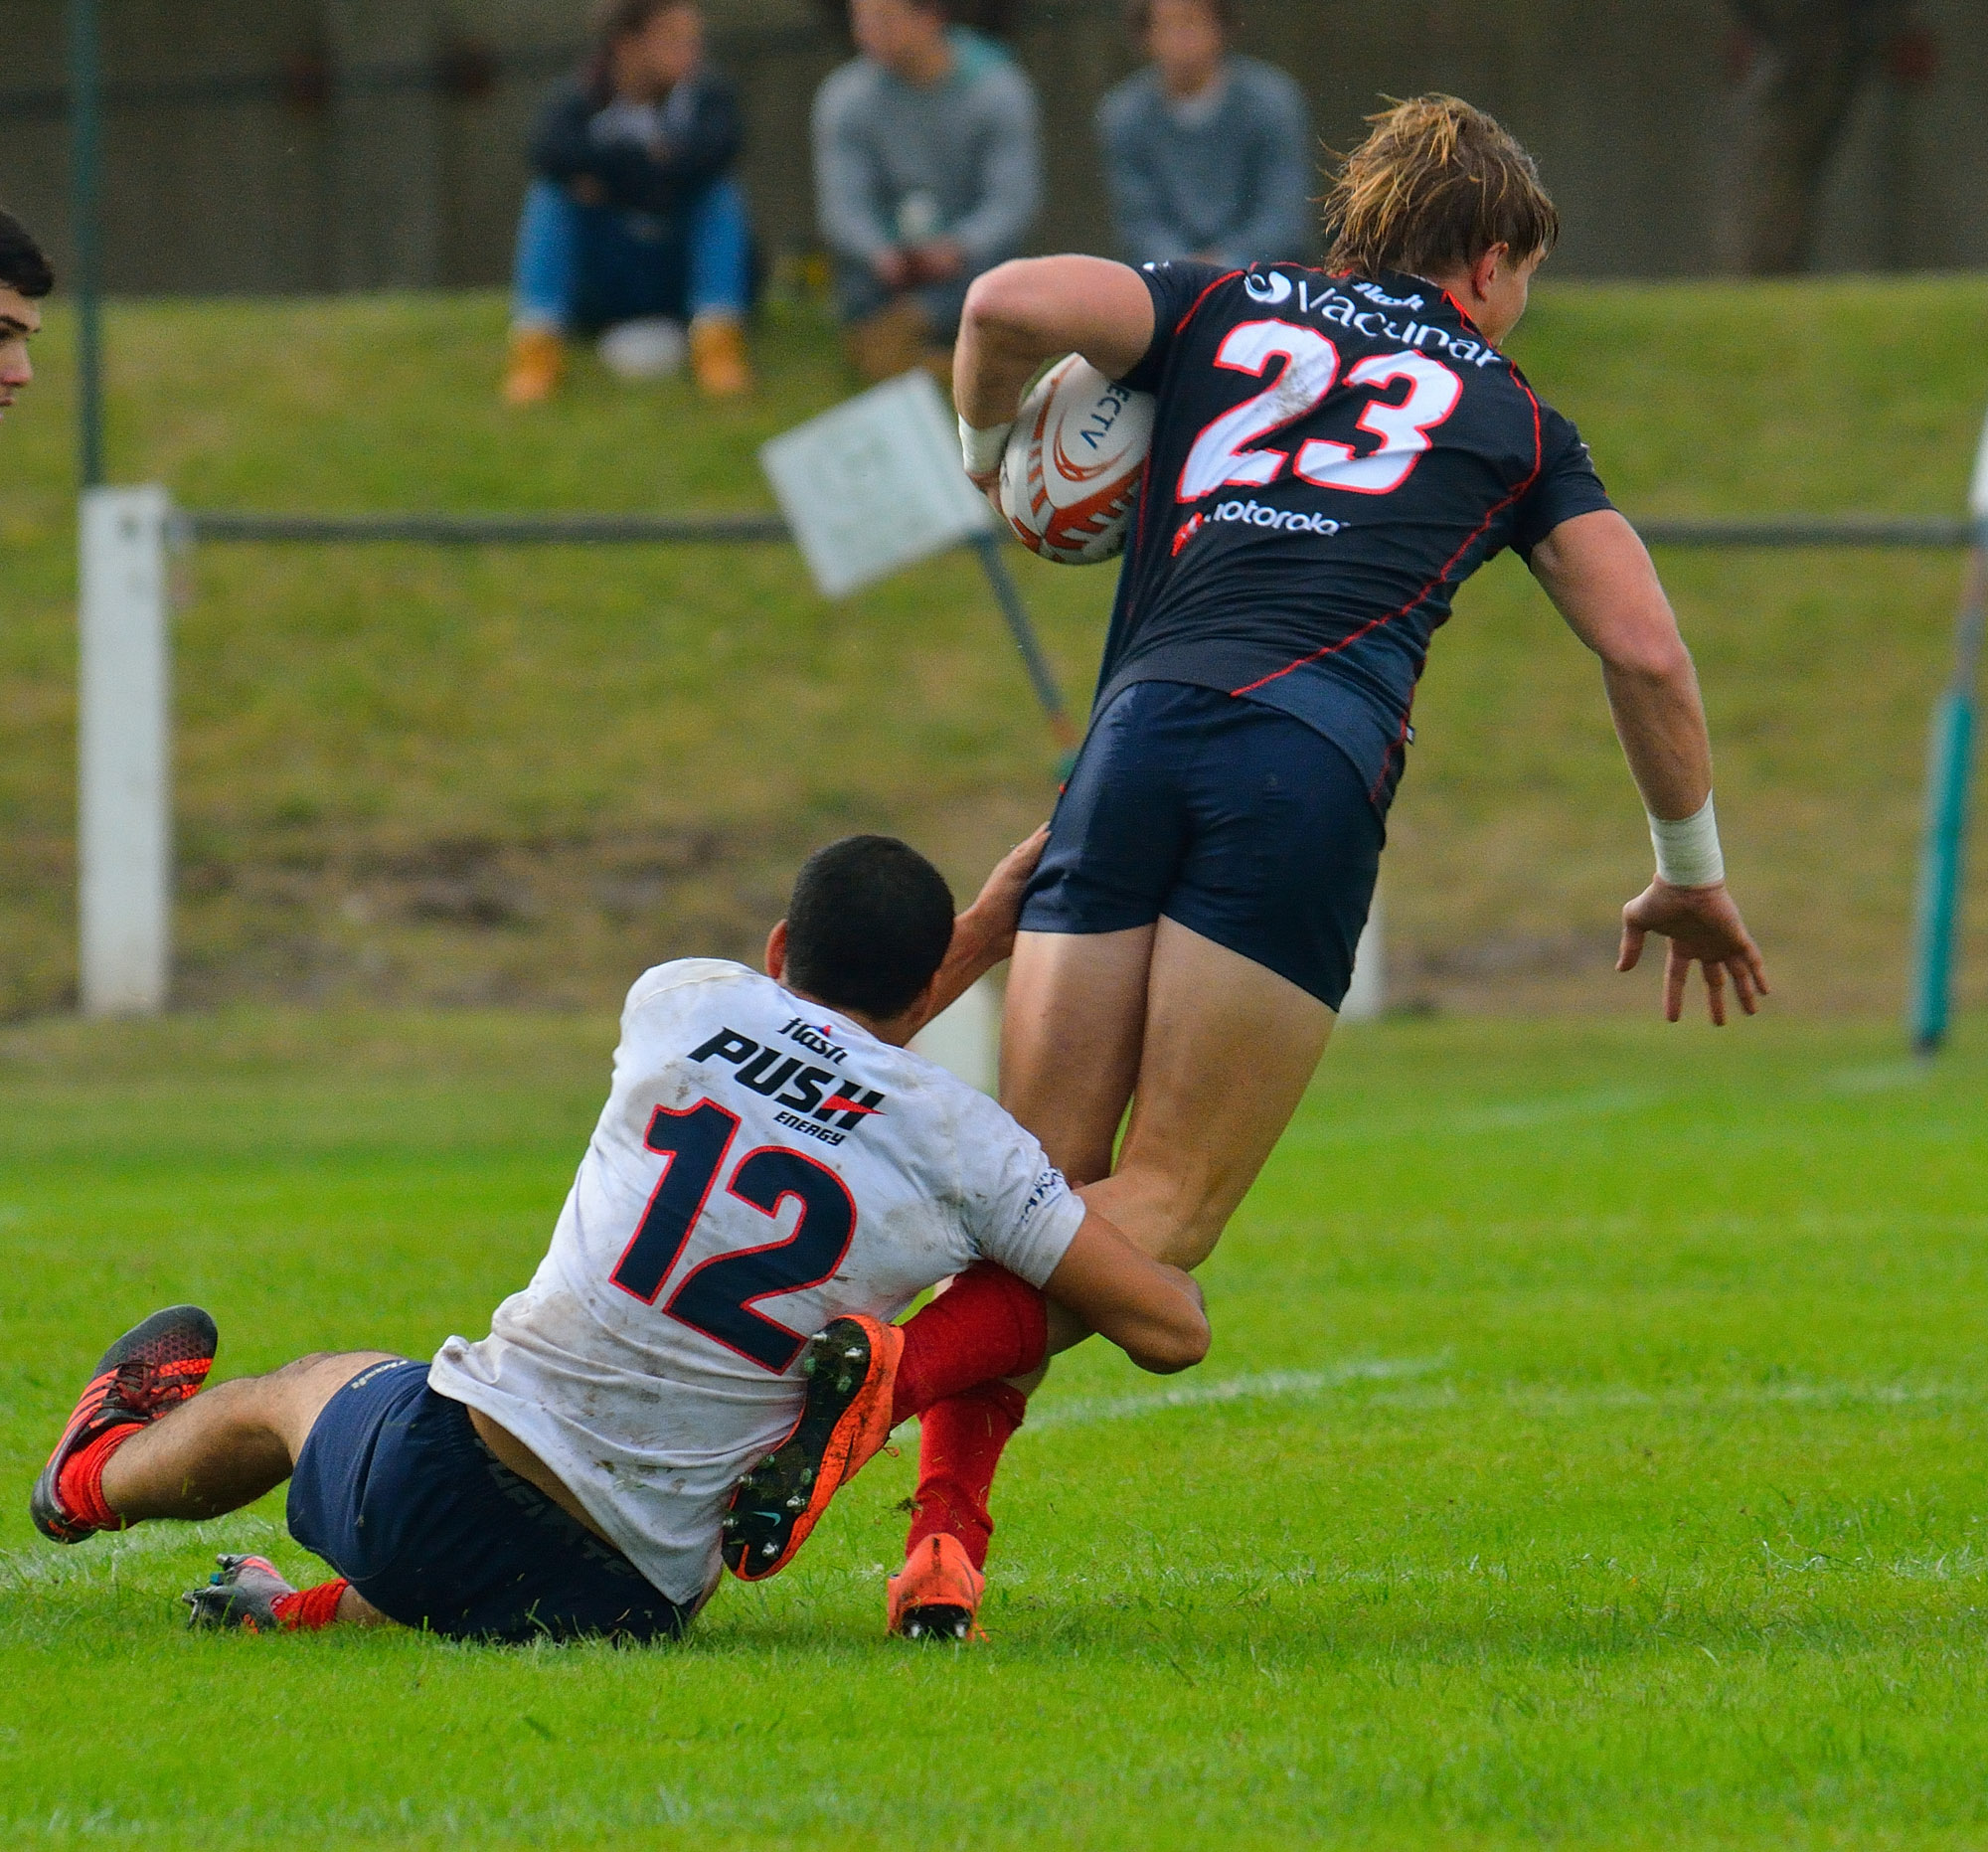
(1332, 458)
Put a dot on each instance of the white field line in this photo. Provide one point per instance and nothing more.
(1540, 1399)
(1509, 1115)
(53, 1565)
(1088, 1410)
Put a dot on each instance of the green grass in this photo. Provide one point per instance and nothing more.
(520, 775)
(1590, 1458)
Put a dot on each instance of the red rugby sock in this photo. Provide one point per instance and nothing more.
(80, 1484)
(307, 1610)
(958, 1452)
(986, 1325)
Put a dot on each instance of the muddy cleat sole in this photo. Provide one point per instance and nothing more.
(242, 1592)
(936, 1595)
(851, 1370)
(147, 1373)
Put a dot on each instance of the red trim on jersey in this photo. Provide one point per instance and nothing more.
(1194, 308)
(1467, 322)
(1470, 539)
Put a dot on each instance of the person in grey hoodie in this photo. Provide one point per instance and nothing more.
(927, 169)
(1209, 155)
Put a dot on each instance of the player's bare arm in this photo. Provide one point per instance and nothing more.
(1599, 576)
(1038, 308)
(1153, 1313)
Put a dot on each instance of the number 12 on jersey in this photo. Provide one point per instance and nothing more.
(718, 1296)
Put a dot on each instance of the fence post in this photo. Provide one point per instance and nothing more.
(125, 752)
(966, 1040)
(1366, 995)
(1950, 774)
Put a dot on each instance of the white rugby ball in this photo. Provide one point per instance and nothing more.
(1069, 479)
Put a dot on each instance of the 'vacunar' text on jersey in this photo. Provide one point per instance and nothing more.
(1332, 458)
(761, 1167)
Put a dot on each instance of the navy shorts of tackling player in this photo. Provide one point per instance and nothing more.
(1231, 817)
(395, 1490)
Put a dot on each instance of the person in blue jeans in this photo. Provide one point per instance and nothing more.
(633, 225)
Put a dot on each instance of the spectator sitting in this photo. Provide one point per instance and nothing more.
(1209, 155)
(928, 172)
(633, 223)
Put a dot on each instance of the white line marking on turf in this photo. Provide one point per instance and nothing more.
(1085, 1411)
(1877, 1080)
(1532, 1398)
(20, 1569)
(1508, 1115)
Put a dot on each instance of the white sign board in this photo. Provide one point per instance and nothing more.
(875, 484)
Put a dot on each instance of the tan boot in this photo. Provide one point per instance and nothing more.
(889, 342)
(536, 366)
(718, 356)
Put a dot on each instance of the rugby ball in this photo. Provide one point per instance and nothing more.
(1069, 479)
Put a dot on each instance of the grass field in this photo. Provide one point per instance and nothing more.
(1590, 1456)
(520, 777)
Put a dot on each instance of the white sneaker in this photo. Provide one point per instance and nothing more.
(652, 348)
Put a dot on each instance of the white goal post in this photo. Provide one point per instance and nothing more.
(124, 863)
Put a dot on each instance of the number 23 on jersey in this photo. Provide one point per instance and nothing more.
(1223, 456)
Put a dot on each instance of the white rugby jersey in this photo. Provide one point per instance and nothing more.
(761, 1167)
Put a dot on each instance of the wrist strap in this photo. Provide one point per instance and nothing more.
(1688, 853)
(983, 449)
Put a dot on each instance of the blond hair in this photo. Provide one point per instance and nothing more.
(1434, 187)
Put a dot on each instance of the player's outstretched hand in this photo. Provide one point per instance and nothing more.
(1704, 927)
(997, 908)
(984, 934)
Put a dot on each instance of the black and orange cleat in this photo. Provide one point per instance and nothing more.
(851, 1370)
(147, 1373)
(242, 1592)
(936, 1595)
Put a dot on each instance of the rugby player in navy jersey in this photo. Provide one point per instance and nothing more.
(1335, 452)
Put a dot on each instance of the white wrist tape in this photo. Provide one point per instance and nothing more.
(983, 449)
(1688, 853)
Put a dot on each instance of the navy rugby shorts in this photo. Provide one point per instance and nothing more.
(395, 1490)
(1233, 819)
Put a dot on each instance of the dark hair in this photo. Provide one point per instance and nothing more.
(23, 267)
(616, 19)
(1139, 16)
(869, 924)
(1437, 185)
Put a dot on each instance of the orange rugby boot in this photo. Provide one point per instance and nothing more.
(851, 1370)
(718, 356)
(936, 1595)
(536, 366)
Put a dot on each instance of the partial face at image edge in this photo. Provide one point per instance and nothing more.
(20, 322)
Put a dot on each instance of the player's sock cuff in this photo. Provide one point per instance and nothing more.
(307, 1610)
(80, 1486)
(986, 1325)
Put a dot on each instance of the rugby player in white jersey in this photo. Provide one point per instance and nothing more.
(774, 1178)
